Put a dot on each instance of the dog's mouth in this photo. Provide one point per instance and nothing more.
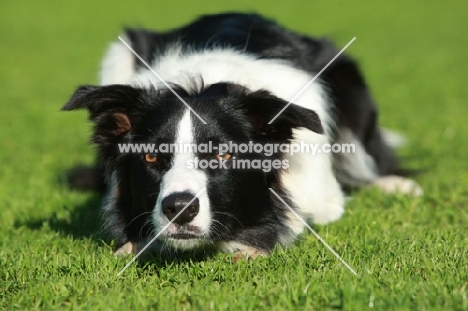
(186, 232)
(183, 236)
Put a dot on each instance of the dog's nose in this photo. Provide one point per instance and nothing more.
(174, 203)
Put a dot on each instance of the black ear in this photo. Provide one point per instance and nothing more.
(115, 110)
(112, 108)
(262, 107)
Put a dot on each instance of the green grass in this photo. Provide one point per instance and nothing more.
(410, 253)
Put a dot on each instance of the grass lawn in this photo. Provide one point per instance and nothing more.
(410, 253)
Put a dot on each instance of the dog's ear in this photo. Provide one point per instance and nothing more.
(262, 107)
(112, 108)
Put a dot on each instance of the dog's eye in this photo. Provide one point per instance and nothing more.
(151, 157)
(223, 157)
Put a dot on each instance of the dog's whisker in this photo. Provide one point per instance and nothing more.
(135, 218)
(221, 224)
(146, 223)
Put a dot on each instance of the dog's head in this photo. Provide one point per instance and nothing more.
(206, 203)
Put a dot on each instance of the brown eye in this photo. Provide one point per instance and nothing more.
(223, 157)
(151, 157)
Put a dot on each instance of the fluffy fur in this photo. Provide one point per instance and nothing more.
(236, 71)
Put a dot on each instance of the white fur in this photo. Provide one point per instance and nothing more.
(218, 65)
(180, 178)
(226, 65)
(312, 186)
(118, 65)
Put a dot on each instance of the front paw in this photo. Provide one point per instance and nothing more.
(397, 184)
(251, 254)
(126, 249)
(242, 251)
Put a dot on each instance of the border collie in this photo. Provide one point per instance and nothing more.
(234, 72)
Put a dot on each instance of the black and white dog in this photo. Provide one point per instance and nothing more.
(236, 72)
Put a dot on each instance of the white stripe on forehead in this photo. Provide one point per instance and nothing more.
(179, 178)
(179, 173)
(184, 129)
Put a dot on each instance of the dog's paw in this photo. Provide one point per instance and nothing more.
(249, 253)
(126, 249)
(395, 184)
(241, 251)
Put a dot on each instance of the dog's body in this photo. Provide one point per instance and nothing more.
(236, 72)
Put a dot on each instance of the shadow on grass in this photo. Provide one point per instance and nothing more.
(81, 222)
